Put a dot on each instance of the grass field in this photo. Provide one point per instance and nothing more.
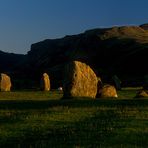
(41, 120)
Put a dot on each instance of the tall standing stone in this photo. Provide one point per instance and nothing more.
(45, 82)
(117, 82)
(5, 82)
(99, 87)
(80, 80)
(145, 83)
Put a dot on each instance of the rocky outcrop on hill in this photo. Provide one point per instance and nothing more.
(144, 26)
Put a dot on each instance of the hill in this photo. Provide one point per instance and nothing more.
(112, 51)
(120, 51)
(10, 61)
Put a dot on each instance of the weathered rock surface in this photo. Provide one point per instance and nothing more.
(5, 82)
(45, 82)
(80, 80)
(108, 91)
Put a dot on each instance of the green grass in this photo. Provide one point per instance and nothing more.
(43, 120)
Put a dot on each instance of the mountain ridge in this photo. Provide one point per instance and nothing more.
(120, 51)
(104, 49)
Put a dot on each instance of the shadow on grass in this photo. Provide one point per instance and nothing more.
(104, 129)
(78, 103)
(90, 132)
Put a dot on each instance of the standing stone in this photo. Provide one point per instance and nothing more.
(145, 83)
(80, 80)
(141, 94)
(5, 82)
(108, 91)
(99, 87)
(45, 82)
(117, 82)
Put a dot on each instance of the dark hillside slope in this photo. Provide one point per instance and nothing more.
(118, 50)
(10, 61)
(12, 64)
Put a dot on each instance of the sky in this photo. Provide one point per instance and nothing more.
(23, 22)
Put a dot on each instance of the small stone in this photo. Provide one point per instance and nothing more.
(45, 82)
(141, 94)
(108, 91)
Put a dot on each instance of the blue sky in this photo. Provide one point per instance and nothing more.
(23, 22)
